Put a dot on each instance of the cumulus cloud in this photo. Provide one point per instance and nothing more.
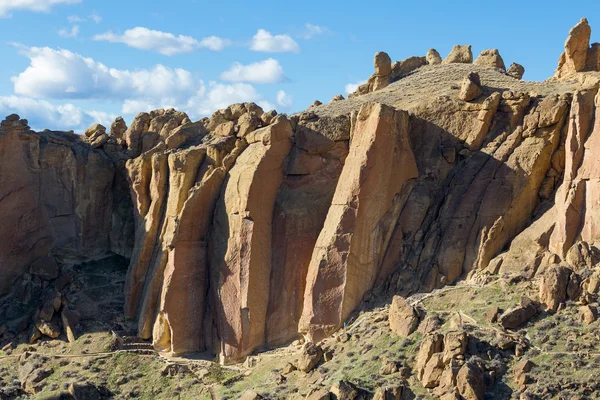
(266, 42)
(284, 99)
(311, 31)
(62, 74)
(8, 6)
(267, 71)
(351, 87)
(69, 33)
(162, 42)
(42, 114)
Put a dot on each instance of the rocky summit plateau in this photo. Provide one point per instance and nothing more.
(434, 235)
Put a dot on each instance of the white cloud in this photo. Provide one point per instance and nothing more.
(162, 42)
(313, 30)
(214, 43)
(96, 18)
(62, 74)
(351, 87)
(284, 99)
(267, 71)
(42, 114)
(73, 32)
(264, 41)
(75, 19)
(7, 6)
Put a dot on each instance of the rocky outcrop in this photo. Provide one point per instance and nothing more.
(516, 71)
(459, 54)
(490, 58)
(577, 45)
(386, 72)
(371, 192)
(470, 88)
(242, 237)
(57, 197)
(433, 57)
(403, 318)
(253, 229)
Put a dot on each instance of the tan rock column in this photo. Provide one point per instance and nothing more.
(348, 252)
(241, 240)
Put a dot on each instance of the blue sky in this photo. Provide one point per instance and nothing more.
(69, 63)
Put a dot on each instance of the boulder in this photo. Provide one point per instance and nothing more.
(470, 382)
(268, 117)
(577, 45)
(460, 54)
(403, 317)
(405, 67)
(432, 373)
(344, 390)
(248, 122)
(88, 391)
(518, 315)
(490, 58)
(553, 286)
(319, 394)
(388, 368)
(455, 344)
(516, 71)
(46, 268)
(382, 63)
(389, 393)
(99, 141)
(49, 329)
(31, 375)
(69, 319)
(95, 131)
(470, 88)
(337, 97)
(309, 357)
(118, 128)
(429, 324)
(433, 57)
(250, 395)
(430, 345)
(288, 369)
(588, 314)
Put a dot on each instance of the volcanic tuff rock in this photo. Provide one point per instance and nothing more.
(249, 229)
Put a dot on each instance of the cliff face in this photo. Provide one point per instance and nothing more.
(248, 229)
(58, 197)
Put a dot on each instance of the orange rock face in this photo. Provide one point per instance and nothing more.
(56, 194)
(253, 229)
(366, 204)
(242, 237)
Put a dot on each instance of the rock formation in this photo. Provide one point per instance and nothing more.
(516, 70)
(248, 229)
(459, 54)
(490, 58)
(577, 45)
(58, 197)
